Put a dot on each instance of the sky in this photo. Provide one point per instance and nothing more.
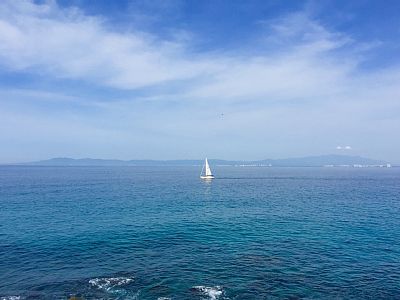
(178, 79)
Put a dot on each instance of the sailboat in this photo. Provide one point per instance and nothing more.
(207, 174)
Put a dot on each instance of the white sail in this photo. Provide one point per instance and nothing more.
(208, 170)
(207, 174)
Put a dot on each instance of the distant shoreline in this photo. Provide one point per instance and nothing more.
(328, 161)
(185, 166)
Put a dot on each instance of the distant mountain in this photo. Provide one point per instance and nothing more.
(64, 161)
(310, 161)
(322, 160)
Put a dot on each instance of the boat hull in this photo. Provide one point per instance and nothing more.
(207, 177)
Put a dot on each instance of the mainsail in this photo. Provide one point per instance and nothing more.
(208, 170)
(207, 174)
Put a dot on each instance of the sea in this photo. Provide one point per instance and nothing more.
(162, 233)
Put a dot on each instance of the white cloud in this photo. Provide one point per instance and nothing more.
(297, 59)
(67, 44)
(344, 148)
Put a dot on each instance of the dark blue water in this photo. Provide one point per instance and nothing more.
(162, 233)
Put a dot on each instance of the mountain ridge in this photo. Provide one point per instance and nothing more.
(307, 161)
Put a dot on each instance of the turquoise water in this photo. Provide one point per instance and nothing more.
(162, 233)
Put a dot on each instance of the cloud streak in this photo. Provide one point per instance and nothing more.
(297, 58)
(65, 43)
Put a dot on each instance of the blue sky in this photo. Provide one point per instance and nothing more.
(189, 79)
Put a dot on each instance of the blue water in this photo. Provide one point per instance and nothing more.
(162, 233)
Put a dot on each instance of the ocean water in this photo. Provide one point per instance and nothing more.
(162, 233)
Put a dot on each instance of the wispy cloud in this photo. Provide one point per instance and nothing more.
(65, 43)
(297, 57)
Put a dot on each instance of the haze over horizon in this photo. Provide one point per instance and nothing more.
(305, 161)
(183, 79)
